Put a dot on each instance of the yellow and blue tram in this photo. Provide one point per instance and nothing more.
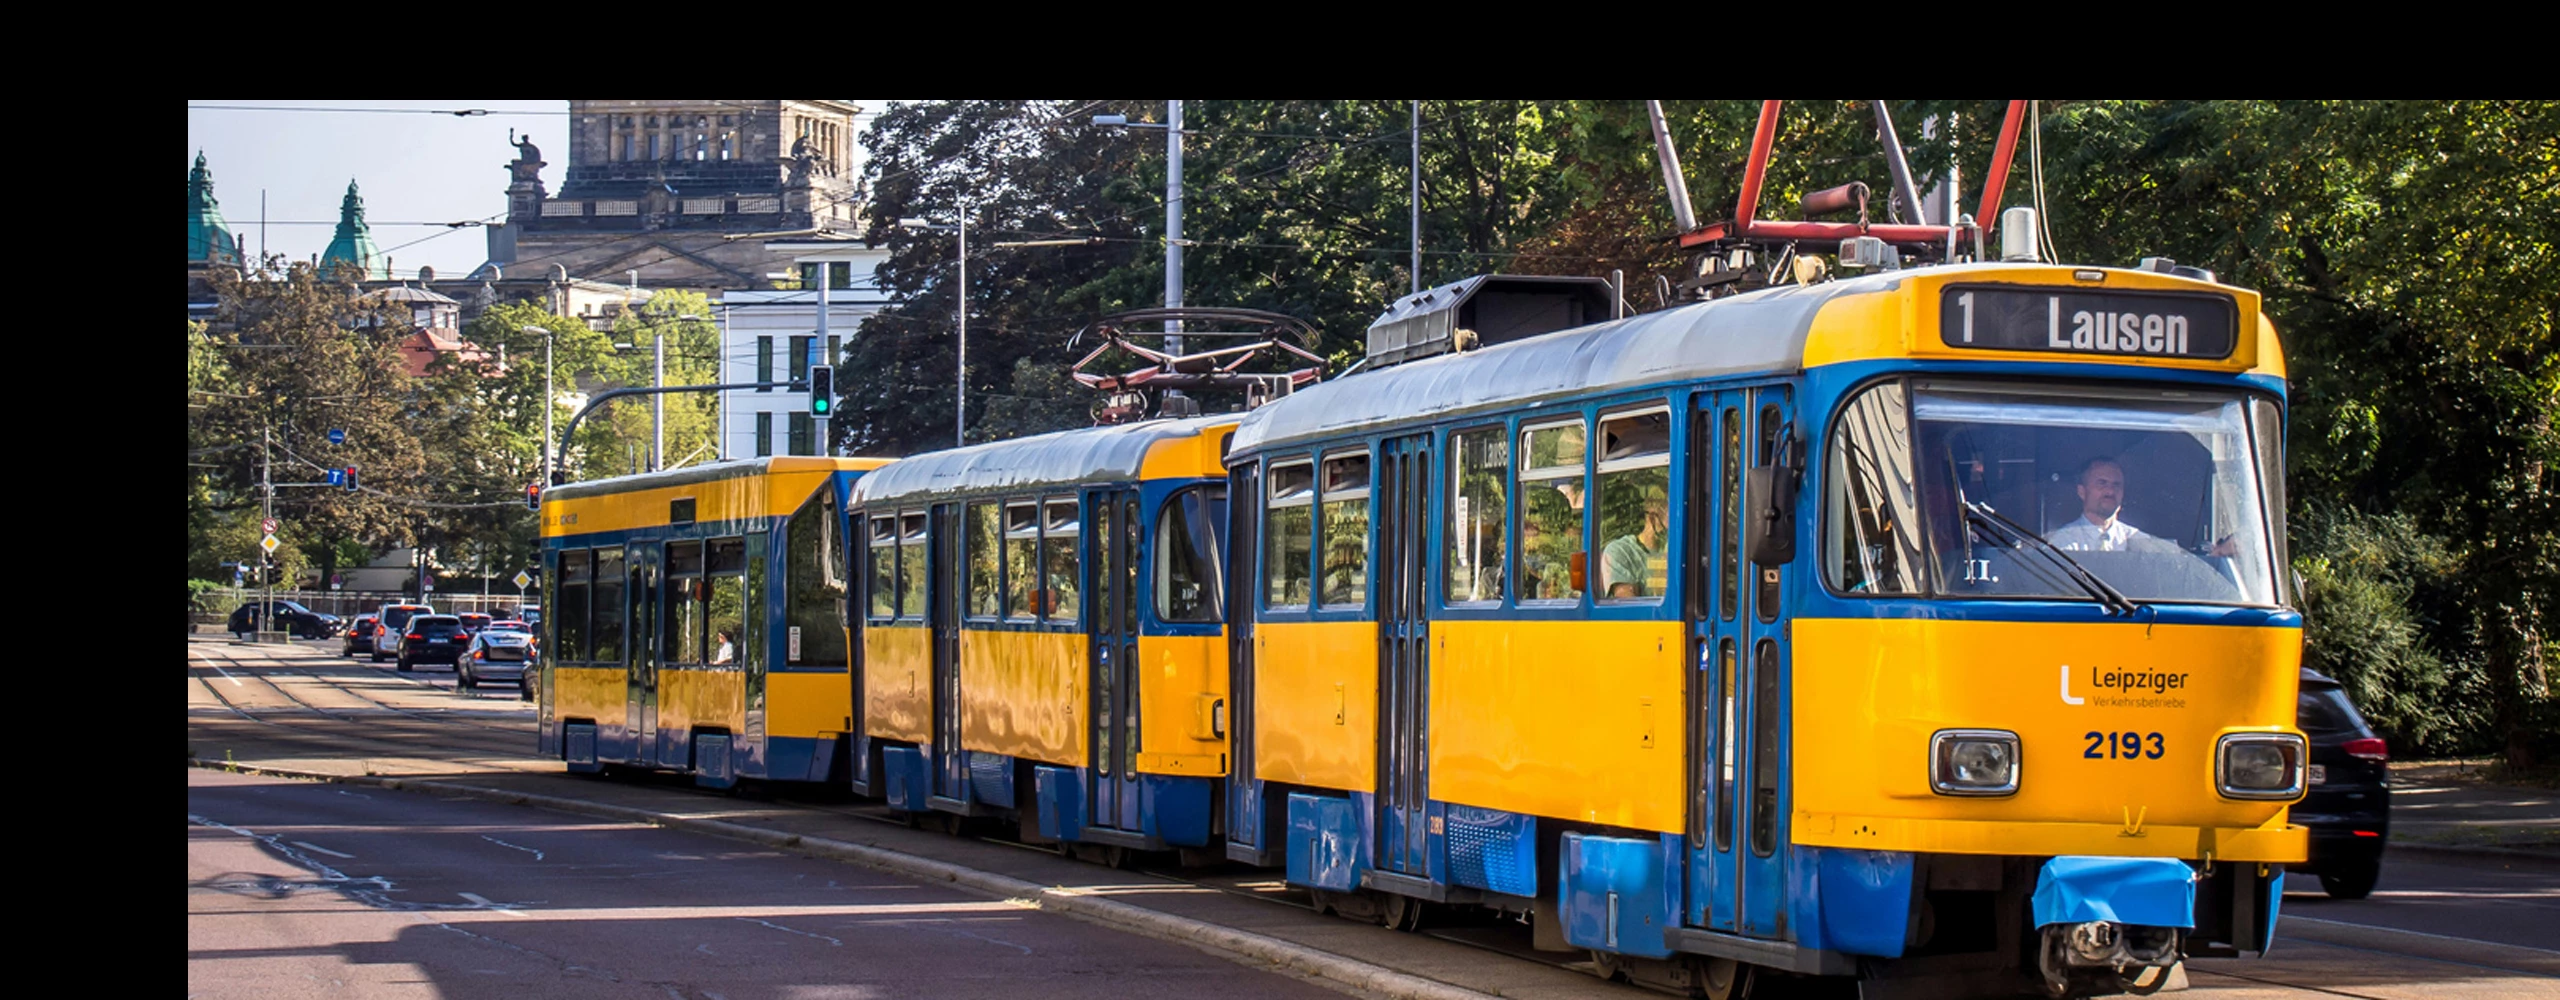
(695, 621)
(1014, 596)
(1929, 623)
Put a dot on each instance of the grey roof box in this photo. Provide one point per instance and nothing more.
(1499, 308)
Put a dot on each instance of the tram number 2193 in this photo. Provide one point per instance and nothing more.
(2124, 746)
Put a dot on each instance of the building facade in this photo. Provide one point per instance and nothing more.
(775, 335)
(684, 193)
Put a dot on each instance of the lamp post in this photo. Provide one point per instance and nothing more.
(658, 380)
(1173, 241)
(548, 401)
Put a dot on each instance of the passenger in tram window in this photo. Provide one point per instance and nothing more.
(722, 651)
(2101, 487)
(1638, 564)
(1550, 538)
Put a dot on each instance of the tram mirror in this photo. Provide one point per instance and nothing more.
(1769, 493)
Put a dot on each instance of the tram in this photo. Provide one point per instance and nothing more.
(694, 621)
(1806, 631)
(1014, 593)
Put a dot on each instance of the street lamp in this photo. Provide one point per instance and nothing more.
(960, 398)
(547, 399)
(1172, 215)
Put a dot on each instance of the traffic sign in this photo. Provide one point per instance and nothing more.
(337, 435)
(267, 527)
(269, 543)
(522, 580)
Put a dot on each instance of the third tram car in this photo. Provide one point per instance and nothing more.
(1929, 623)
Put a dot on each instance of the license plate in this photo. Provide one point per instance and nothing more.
(2319, 774)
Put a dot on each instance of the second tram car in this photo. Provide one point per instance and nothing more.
(1043, 636)
(1931, 623)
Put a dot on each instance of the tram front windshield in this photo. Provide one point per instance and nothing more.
(1936, 488)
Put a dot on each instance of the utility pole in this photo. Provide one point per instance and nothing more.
(1173, 230)
(818, 343)
(267, 498)
(1417, 196)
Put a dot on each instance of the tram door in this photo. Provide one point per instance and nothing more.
(1404, 664)
(1113, 614)
(1244, 523)
(641, 560)
(949, 582)
(1737, 829)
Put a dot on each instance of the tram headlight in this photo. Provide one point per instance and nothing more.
(2260, 765)
(1973, 762)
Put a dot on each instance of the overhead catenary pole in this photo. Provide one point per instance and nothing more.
(1417, 195)
(1173, 230)
(960, 408)
(818, 343)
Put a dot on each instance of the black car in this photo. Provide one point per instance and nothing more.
(359, 636)
(432, 639)
(303, 622)
(2348, 807)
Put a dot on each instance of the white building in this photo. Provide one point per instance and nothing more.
(774, 336)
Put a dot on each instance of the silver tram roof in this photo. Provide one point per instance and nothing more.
(1063, 458)
(1761, 331)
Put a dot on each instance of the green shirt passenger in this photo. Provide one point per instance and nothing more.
(1639, 565)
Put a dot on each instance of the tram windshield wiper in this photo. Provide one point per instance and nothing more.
(1981, 513)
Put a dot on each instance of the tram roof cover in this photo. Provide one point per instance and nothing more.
(1761, 331)
(1064, 458)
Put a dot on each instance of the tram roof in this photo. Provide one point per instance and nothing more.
(1064, 458)
(1761, 331)
(711, 472)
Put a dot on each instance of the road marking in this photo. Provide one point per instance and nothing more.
(2423, 934)
(308, 846)
(485, 903)
(831, 941)
(537, 855)
(217, 668)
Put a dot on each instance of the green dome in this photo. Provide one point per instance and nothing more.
(353, 244)
(208, 237)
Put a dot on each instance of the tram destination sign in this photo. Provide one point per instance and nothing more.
(2071, 321)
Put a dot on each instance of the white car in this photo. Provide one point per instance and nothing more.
(500, 652)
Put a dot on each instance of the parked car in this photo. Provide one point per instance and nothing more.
(359, 636)
(473, 621)
(303, 622)
(501, 652)
(390, 624)
(2348, 804)
(432, 639)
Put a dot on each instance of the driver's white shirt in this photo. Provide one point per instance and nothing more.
(2084, 535)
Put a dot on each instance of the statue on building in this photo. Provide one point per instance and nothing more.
(528, 162)
(803, 162)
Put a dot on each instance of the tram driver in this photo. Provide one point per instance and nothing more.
(2101, 488)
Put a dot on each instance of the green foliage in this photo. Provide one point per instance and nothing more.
(2372, 586)
(205, 595)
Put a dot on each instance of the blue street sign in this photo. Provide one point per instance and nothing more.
(337, 477)
(337, 436)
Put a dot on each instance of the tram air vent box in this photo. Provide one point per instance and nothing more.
(1499, 308)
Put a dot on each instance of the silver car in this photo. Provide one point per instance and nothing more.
(500, 652)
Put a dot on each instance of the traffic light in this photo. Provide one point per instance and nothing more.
(351, 479)
(822, 390)
(533, 496)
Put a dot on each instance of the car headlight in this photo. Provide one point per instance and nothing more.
(2260, 765)
(1973, 762)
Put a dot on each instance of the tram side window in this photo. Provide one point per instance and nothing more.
(681, 631)
(911, 565)
(569, 611)
(814, 586)
(1480, 465)
(726, 564)
(1290, 527)
(1059, 531)
(1187, 573)
(1635, 506)
(1552, 567)
(1871, 527)
(884, 568)
(607, 607)
(986, 569)
(1345, 523)
(1026, 594)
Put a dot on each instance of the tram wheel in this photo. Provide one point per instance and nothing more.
(1724, 979)
(1403, 913)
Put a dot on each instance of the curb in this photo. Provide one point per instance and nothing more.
(1259, 948)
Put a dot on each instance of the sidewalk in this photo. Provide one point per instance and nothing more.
(2448, 808)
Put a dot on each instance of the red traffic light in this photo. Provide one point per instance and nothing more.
(533, 496)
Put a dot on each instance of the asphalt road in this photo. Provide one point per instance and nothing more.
(297, 889)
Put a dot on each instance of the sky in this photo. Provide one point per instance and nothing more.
(417, 165)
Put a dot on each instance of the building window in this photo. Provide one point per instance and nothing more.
(764, 360)
(835, 350)
(803, 434)
(764, 434)
(626, 145)
(800, 359)
(653, 145)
